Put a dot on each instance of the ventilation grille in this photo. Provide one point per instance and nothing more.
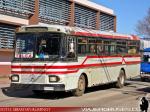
(18, 8)
(106, 22)
(54, 11)
(84, 17)
(7, 34)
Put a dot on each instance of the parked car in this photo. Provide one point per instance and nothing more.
(145, 65)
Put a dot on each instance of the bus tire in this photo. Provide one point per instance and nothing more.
(81, 86)
(121, 80)
(38, 92)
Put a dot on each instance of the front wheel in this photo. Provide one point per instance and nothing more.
(81, 87)
(121, 80)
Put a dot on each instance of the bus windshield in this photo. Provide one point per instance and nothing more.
(38, 46)
(146, 57)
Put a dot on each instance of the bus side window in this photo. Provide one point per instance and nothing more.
(121, 47)
(82, 45)
(99, 49)
(107, 47)
(133, 47)
(92, 47)
(71, 46)
(132, 50)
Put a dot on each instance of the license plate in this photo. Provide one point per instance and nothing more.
(48, 88)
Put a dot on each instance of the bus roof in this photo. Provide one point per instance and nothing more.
(76, 31)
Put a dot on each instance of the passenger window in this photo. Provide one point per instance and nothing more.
(71, 48)
(92, 46)
(82, 45)
(133, 47)
(121, 47)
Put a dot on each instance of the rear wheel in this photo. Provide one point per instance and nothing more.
(121, 80)
(81, 87)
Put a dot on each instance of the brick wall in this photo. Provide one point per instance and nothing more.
(5, 62)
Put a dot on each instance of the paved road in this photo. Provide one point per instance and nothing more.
(102, 97)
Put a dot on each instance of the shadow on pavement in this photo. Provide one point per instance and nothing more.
(27, 93)
(100, 87)
(146, 89)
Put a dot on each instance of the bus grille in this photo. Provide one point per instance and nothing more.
(33, 79)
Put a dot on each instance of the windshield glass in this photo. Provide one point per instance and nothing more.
(24, 46)
(38, 46)
(146, 57)
(48, 46)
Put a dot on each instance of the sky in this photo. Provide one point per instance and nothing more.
(128, 13)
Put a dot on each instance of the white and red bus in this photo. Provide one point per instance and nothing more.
(62, 58)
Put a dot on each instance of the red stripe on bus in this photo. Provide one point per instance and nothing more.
(131, 56)
(75, 71)
(107, 36)
(66, 67)
(71, 66)
(67, 72)
(30, 72)
(74, 66)
(133, 62)
(104, 57)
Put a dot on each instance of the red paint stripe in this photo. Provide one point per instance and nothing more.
(104, 57)
(133, 62)
(69, 67)
(75, 71)
(132, 56)
(106, 36)
(135, 37)
(67, 72)
(30, 72)
(66, 67)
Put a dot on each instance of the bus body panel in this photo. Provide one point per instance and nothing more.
(99, 70)
(98, 55)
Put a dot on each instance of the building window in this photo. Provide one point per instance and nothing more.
(7, 34)
(106, 22)
(18, 8)
(85, 17)
(54, 11)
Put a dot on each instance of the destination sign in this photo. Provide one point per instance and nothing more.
(36, 29)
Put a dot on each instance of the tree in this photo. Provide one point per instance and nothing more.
(143, 26)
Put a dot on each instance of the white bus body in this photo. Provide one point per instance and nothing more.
(57, 75)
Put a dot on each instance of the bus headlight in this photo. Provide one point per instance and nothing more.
(15, 78)
(54, 78)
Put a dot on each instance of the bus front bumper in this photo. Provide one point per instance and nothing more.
(145, 75)
(45, 87)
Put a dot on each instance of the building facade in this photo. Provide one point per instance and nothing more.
(78, 13)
